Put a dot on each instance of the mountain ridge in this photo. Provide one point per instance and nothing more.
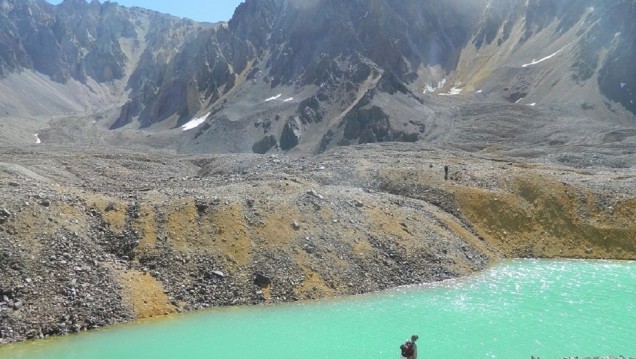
(354, 72)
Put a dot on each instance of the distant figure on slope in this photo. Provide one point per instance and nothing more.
(409, 349)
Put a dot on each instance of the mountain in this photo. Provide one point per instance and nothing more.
(76, 58)
(407, 141)
(530, 78)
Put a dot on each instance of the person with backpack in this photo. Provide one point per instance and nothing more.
(409, 349)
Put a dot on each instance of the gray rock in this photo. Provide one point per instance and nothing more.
(315, 194)
(201, 206)
(291, 134)
(264, 145)
(262, 280)
(309, 248)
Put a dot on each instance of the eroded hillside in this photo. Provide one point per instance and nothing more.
(91, 237)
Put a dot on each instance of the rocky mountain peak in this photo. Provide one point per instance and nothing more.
(305, 76)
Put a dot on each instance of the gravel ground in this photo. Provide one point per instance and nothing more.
(91, 237)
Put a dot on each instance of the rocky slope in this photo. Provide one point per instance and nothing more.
(90, 237)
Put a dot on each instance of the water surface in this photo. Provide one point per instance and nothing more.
(520, 308)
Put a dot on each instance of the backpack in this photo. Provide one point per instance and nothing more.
(407, 349)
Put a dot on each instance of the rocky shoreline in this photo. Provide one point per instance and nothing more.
(90, 237)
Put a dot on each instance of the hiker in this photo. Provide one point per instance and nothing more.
(409, 349)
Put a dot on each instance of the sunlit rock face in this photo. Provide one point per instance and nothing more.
(317, 71)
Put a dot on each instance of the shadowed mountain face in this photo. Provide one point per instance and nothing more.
(77, 40)
(306, 75)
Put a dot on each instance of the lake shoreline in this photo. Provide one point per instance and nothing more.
(526, 302)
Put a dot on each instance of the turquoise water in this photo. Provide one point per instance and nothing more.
(517, 309)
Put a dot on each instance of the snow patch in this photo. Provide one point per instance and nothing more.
(623, 84)
(37, 139)
(534, 61)
(196, 122)
(288, 99)
(532, 104)
(430, 88)
(274, 97)
(479, 91)
(454, 91)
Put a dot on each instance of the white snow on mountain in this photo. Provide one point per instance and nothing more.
(194, 123)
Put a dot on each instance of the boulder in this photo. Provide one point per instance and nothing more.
(264, 145)
(262, 280)
(291, 134)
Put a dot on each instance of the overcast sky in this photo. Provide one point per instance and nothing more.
(199, 10)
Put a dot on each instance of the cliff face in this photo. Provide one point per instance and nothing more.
(74, 40)
(79, 56)
(332, 73)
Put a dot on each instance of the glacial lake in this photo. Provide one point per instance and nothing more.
(519, 308)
